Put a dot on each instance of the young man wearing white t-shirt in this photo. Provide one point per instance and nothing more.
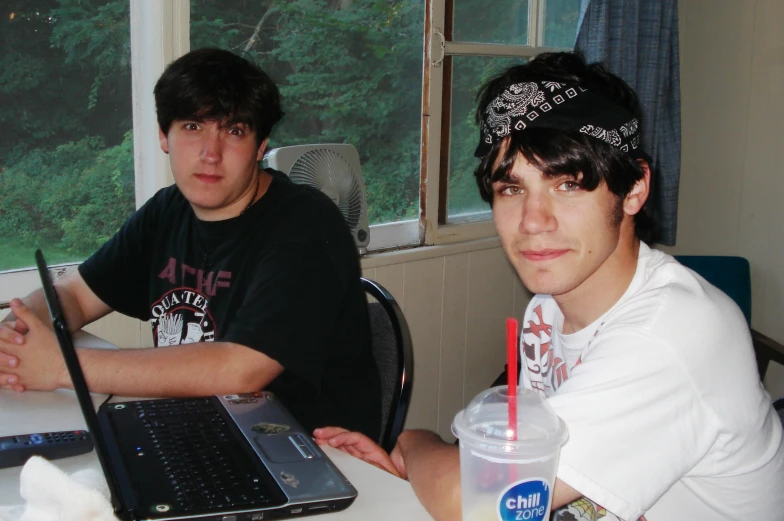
(650, 367)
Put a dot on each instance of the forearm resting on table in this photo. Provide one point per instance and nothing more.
(433, 468)
(190, 370)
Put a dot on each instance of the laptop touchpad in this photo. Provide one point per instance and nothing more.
(283, 448)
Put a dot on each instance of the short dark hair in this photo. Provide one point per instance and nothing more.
(557, 152)
(217, 85)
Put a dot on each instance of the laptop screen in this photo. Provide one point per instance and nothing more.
(60, 328)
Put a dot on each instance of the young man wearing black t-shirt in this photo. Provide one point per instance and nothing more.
(250, 281)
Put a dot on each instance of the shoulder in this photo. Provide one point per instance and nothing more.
(169, 198)
(672, 317)
(304, 212)
(298, 195)
(667, 299)
(166, 202)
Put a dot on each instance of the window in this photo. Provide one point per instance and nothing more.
(349, 70)
(471, 43)
(66, 149)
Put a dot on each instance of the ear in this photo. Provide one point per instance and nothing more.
(163, 140)
(262, 149)
(639, 193)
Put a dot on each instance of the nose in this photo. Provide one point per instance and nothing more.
(537, 214)
(211, 148)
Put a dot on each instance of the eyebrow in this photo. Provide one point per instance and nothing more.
(507, 178)
(235, 124)
(510, 178)
(196, 118)
(578, 176)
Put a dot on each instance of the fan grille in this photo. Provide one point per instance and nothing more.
(328, 171)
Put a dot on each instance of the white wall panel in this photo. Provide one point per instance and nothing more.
(369, 273)
(422, 306)
(392, 278)
(490, 301)
(715, 44)
(454, 325)
(121, 331)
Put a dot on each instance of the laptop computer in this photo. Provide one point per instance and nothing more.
(237, 457)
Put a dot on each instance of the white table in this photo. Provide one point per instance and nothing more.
(381, 495)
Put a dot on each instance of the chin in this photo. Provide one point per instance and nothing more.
(546, 284)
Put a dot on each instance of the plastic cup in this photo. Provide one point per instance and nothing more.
(504, 478)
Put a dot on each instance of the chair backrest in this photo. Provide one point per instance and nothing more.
(732, 275)
(394, 356)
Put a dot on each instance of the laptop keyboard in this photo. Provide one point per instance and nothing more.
(198, 454)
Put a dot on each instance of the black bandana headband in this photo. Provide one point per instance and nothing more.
(562, 106)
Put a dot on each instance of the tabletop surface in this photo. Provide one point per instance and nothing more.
(381, 495)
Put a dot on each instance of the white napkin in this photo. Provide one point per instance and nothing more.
(52, 495)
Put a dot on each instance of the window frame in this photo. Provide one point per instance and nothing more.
(438, 66)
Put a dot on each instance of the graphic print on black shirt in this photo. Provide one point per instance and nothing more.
(181, 317)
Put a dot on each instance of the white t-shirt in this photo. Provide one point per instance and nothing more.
(666, 414)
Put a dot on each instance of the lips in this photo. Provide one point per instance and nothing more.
(542, 255)
(208, 178)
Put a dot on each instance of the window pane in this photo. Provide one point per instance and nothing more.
(499, 21)
(66, 153)
(468, 74)
(350, 71)
(560, 23)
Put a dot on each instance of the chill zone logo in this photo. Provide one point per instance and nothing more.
(525, 501)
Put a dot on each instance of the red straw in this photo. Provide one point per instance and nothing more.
(511, 373)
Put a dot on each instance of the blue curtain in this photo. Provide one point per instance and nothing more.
(638, 41)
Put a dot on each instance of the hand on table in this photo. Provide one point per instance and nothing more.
(11, 332)
(30, 357)
(362, 447)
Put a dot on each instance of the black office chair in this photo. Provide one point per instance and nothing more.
(394, 357)
(732, 275)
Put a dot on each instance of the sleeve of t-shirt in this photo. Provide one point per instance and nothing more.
(636, 423)
(118, 273)
(292, 303)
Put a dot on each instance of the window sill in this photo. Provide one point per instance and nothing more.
(388, 258)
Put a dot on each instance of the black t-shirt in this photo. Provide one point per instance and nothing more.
(282, 278)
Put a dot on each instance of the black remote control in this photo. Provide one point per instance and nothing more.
(16, 450)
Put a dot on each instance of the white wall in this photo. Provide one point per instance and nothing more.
(732, 179)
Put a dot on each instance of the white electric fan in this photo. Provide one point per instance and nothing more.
(335, 170)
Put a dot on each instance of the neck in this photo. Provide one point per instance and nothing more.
(254, 194)
(258, 187)
(263, 182)
(597, 294)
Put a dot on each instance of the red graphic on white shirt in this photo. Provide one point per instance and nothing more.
(546, 371)
(560, 373)
(536, 339)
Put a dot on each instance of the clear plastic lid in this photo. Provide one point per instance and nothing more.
(484, 423)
